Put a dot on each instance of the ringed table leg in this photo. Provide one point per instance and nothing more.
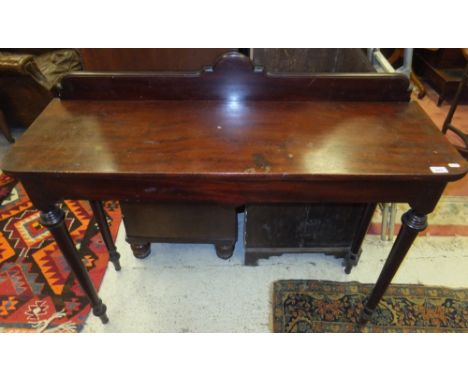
(53, 219)
(413, 223)
(101, 220)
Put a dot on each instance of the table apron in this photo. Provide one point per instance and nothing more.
(231, 192)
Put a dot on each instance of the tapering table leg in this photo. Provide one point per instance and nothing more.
(53, 219)
(413, 223)
(101, 220)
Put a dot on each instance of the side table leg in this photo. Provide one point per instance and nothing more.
(101, 220)
(54, 221)
(413, 223)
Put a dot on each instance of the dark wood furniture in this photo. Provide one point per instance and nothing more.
(175, 222)
(181, 223)
(197, 138)
(147, 223)
(334, 229)
(149, 59)
(442, 69)
(208, 229)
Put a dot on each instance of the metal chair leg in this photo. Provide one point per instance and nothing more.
(384, 227)
(391, 228)
(388, 221)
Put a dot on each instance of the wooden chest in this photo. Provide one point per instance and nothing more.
(147, 223)
(334, 229)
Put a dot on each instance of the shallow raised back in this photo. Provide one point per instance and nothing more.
(234, 77)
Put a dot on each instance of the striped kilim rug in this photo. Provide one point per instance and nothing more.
(306, 306)
(38, 292)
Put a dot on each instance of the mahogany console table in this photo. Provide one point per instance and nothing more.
(233, 135)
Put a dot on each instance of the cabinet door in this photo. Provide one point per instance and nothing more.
(302, 225)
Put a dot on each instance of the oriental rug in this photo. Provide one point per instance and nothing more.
(38, 292)
(306, 306)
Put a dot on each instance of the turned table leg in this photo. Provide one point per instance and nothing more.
(101, 220)
(413, 223)
(53, 219)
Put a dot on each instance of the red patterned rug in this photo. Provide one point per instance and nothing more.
(38, 292)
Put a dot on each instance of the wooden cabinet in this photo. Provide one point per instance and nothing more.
(333, 229)
(147, 223)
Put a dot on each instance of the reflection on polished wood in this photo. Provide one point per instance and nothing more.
(235, 78)
(266, 140)
(308, 139)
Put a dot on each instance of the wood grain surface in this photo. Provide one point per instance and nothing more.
(234, 77)
(275, 139)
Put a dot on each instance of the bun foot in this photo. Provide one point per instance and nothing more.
(141, 251)
(224, 250)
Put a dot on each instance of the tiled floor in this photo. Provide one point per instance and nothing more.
(186, 288)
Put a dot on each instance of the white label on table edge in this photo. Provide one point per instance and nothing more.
(438, 169)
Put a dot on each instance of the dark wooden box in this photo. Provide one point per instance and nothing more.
(179, 223)
(335, 229)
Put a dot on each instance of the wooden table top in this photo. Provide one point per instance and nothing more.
(307, 139)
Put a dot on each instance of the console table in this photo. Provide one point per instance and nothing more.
(233, 135)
